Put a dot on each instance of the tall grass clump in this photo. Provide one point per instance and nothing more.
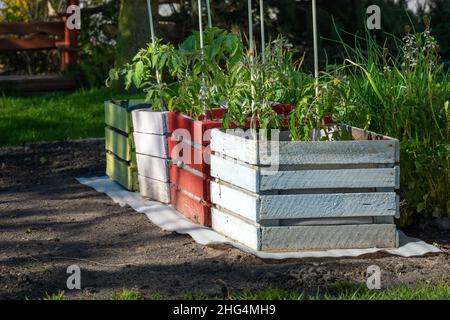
(403, 95)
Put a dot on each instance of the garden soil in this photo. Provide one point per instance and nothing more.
(49, 221)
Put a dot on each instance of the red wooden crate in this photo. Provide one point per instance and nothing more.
(196, 128)
(196, 157)
(196, 210)
(190, 191)
(196, 184)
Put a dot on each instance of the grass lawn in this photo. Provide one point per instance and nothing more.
(337, 291)
(55, 116)
(350, 291)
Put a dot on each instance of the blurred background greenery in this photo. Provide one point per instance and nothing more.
(113, 30)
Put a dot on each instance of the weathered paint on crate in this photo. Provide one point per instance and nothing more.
(121, 172)
(154, 189)
(291, 238)
(121, 167)
(190, 181)
(150, 137)
(191, 207)
(119, 144)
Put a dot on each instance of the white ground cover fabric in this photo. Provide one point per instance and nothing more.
(169, 219)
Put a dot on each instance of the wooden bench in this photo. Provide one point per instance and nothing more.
(37, 36)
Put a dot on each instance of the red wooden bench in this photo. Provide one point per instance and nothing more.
(35, 36)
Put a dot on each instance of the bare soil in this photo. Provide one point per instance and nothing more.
(48, 221)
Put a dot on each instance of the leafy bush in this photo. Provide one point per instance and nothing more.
(97, 42)
(405, 96)
(194, 81)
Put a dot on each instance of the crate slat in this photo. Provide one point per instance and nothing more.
(154, 189)
(149, 121)
(294, 206)
(151, 144)
(196, 157)
(181, 125)
(153, 167)
(255, 180)
(290, 238)
(329, 237)
(328, 205)
(305, 153)
(119, 144)
(117, 117)
(121, 172)
(194, 183)
(194, 209)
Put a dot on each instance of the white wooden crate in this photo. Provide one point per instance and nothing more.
(149, 121)
(154, 189)
(345, 189)
(151, 144)
(150, 136)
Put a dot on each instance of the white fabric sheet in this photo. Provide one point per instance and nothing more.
(169, 219)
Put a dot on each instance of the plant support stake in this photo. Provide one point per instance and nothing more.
(250, 28)
(316, 53)
(152, 32)
(263, 36)
(200, 25)
(208, 9)
(250, 36)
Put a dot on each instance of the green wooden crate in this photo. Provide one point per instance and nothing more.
(119, 116)
(121, 172)
(119, 144)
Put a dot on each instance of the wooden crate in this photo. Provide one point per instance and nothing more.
(119, 143)
(190, 173)
(150, 137)
(324, 195)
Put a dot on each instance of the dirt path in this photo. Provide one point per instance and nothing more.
(48, 221)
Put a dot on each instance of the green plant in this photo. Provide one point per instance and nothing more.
(97, 42)
(127, 294)
(190, 80)
(55, 296)
(405, 96)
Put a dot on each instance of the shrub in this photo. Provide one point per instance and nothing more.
(405, 96)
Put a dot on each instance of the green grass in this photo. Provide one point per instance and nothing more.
(55, 296)
(127, 294)
(56, 116)
(346, 291)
